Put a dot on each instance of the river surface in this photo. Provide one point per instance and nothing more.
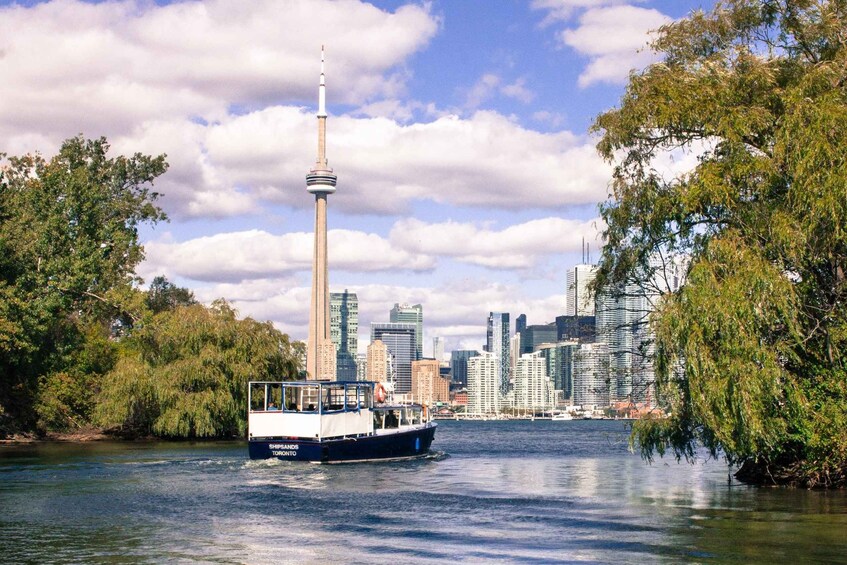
(520, 492)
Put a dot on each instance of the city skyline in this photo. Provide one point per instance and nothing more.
(469, 178)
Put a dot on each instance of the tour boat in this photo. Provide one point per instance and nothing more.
(333, 422)
(562, 416)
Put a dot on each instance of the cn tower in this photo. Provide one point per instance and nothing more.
(320, 356)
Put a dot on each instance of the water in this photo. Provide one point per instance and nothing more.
(524, 492)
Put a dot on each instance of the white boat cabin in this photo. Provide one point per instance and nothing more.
(323, 410)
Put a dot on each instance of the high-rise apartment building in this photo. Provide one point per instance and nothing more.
(559, 358)
(623, 322)
(459, 365)
(580, 302)
(533, 389)
(591, 375)
(344, 332)
(428, 386)
(400, 340)
(497, 343)
(377, 362)
(484, 384)
(407, 314)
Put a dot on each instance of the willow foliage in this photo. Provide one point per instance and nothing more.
(751, 353)
(184, 374)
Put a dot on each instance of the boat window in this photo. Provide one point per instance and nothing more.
(290, 393)
(352, 393)
(392, 419)
(257, 397)
(309, 398)
(333, 398)
(404, 417)
(274, 397)
(379, 420)
(366, 397)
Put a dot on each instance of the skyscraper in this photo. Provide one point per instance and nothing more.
(484, 384)
(344, 331)
(376, 366)
(591, 375)
(438, 349)
(533, 336)
(533, 387)
(406, 314)
(320, 355)
(579, 301)
(459, 365)
(559, 358)
(520, 323)
(497, 343)
(399, 339)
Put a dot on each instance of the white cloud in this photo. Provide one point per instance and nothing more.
(256, 254)
(515, 247)
(482, 90)
(518, 91)
(107, 67)
(382, 166)
(615, 40)
(563, 10)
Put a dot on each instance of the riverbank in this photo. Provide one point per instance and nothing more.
(77, 436)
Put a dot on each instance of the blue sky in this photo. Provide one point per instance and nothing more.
(467, 179)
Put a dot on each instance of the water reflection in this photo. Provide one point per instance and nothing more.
(515, 491)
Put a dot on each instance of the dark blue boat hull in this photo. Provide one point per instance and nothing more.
(412, 443)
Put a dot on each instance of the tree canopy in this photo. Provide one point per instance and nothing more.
(751, 352)
(68, 250)
(185, 373)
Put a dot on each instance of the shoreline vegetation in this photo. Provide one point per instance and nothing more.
(751, 351)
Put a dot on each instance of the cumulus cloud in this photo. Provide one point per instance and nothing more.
(256, 254)
(615, 39)
(515, 247)
(563, 10)
(107, 67)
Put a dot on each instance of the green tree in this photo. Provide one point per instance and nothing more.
(164, 295)
(68, 249)
(184, 373)
(751, 353)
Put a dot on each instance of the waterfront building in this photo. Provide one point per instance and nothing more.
(459, 365)
(533, 389)
(591, 375)
(399, 339)
(580, 302)
(497, 343)
(484, 384)
(320, 355)
(533, 336)
(623, 322)
(407, 314)
(559, 358)
(377, 362)
(344, 332)
(514, 352)
(428, 386)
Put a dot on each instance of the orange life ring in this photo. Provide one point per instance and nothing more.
(379, 393)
